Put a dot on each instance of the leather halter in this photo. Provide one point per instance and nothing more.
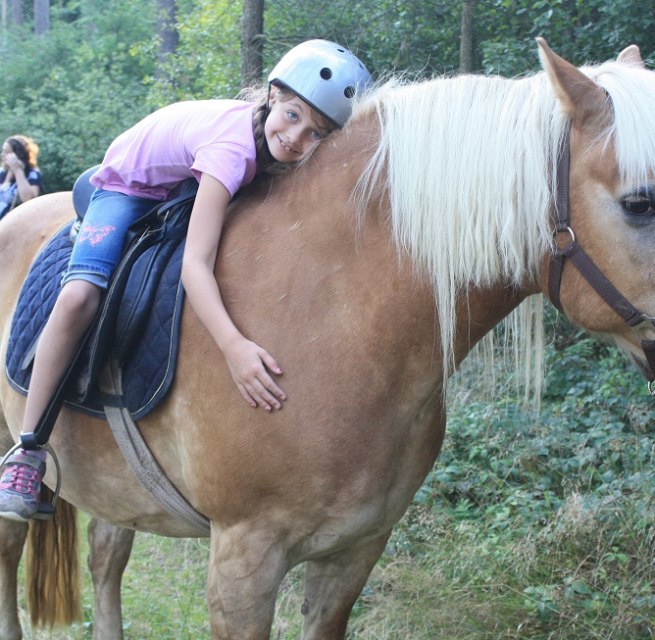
(573, 251)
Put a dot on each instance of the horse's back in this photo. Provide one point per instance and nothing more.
(23, 232)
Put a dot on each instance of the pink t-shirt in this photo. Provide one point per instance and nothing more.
(177, 142)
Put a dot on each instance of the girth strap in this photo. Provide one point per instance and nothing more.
(139, 456)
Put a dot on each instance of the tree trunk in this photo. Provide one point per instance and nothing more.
(167, 35)
(87, 13)
(167, 32)
(16, 12)
(467, 37)
(41, 17)
(252, 41)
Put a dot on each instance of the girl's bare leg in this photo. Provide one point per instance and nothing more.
(70, 318)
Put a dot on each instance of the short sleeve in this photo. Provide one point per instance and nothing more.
(34, 177)
(230, 163)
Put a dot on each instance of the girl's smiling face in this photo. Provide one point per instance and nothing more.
(292, 127)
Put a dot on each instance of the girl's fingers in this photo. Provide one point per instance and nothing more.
(270, 362)
(246, 396)
(253, 369)
(264, 396)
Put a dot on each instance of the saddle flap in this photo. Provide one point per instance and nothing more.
(138, 321)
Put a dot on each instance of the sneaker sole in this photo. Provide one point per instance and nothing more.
(15, 517)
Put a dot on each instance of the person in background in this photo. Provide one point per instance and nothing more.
(20, 177)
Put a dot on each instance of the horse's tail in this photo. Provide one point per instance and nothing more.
(52, 568)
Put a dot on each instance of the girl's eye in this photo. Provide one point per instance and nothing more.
(316, 135)
(292, 115)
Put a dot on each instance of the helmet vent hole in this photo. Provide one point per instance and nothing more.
(326, 73)
(349, 92)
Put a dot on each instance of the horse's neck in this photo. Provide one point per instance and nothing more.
(480, 311)
(305, 229)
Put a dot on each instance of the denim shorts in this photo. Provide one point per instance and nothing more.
(102, 237)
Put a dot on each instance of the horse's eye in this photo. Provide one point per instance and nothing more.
(638, 204)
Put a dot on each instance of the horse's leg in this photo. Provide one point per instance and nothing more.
(333, 584)
(109, 551)
(244, 573)
(12, 539)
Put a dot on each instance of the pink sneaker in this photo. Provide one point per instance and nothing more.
(20, 485)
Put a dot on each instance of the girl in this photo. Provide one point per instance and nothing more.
(223, 144)
(20, 178)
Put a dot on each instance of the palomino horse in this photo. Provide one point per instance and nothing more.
(369, 273)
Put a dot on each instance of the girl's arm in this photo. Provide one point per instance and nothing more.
(249, 364)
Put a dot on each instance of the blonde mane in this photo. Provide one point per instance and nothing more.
(469, 165)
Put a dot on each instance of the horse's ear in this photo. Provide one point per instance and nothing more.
(631, 56)
(580, 97)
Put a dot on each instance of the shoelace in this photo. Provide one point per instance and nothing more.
(21, 478)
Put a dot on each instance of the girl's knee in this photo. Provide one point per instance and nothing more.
(78, 301)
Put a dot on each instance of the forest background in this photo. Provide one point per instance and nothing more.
(533, 524)
(76, 73)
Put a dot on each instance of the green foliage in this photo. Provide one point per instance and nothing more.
(77, 87)
(594, 433)
(97, 70)
(555, 508)
(582, 31)
(420, 37)
(207, 61)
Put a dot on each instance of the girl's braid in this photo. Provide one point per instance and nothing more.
(264, 157)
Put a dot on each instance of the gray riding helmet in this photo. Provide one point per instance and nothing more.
(325, 75)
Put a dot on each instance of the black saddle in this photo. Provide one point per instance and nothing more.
(137, 325)
(82, 192)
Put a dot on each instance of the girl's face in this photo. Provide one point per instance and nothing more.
(292, 127)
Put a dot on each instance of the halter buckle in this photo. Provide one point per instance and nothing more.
(571, 238)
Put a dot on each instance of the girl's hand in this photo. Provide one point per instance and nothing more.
(250, 365)
(13, 163)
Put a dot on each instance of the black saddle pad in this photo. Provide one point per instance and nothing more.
(143, 334)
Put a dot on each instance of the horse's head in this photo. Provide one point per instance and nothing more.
(602, 272)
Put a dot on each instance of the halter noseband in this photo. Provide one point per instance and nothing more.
(585, 265)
